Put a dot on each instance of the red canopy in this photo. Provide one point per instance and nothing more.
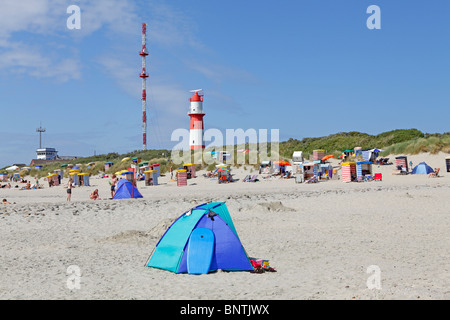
(282, 163)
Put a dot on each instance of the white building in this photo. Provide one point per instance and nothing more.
(46, 153)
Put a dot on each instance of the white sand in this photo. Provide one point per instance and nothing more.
(320, 237)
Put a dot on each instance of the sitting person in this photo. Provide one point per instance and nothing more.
(435, 173)
(94, 195)
(402, 170)
(27, 187)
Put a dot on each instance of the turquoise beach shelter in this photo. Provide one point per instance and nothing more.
(125, 190)
(173, 251)
(422, 168)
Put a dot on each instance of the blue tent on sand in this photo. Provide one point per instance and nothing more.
(172, 251)
(422, 168)
(125, 190)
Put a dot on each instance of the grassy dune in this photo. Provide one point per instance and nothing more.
(432, 144)
(402, 141)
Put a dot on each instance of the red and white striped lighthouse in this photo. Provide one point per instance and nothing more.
(196, 140)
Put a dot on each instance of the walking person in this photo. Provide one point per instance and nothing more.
(69, 189)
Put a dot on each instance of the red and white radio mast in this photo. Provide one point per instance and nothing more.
(144, 76)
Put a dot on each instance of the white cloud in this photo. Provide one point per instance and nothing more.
(20, 58)
(38, 58)
(50, 16)
(34, 57)
(36, 16)
(118, 16)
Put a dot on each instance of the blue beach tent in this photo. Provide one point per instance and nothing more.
(125, 190)
(173, 251)
(422, 168)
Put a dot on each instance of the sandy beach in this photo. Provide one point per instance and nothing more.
(321, 238)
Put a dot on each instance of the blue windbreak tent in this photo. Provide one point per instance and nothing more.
(125, 190)
(171, 252)
(422, 168)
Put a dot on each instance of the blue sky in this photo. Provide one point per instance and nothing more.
(308, 68)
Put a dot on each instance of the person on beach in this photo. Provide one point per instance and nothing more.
(171, 172)
(27, 187)
(94, 195)
(113, 183)
(6, 201)
(69, 190)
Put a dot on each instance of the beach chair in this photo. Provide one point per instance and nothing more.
(247, 178)
(368, 178)
(378, 177)
(254, 178)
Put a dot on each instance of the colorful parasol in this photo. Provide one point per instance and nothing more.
(328, 157)
(282, 163)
